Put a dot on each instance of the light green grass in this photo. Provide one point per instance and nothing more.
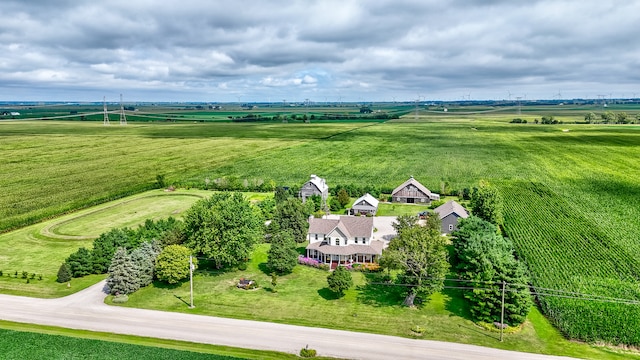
(393, 209)
(302, 298)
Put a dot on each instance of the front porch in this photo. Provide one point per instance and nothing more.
(333, 260)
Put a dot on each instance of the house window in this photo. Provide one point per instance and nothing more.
(450, 227)
(316, 236)
(337, 241)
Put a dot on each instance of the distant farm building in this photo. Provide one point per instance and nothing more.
(412, 192)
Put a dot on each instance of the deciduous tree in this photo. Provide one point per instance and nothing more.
(224, 228)
(172, 265)
(419, 252)
(486, 203)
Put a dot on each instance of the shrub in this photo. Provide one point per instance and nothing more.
(418, 329)
(120, 299)
(242, 266)
(25, 274)
(340, 280)
(1, 273)
(308, 353)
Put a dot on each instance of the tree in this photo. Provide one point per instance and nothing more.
(172, 265)
(290, 216)
(145, 259)
(403, 222)
(621, 118)
(340, 280)
(80, 262)
(343, 198)
(281, 194)
(420, 253)
(224, 228)
(608, 117)
(590, 117)
(64, 273)
(105, 246)
(123, 274)
(485, 260)
(282, 256)
(486, 203)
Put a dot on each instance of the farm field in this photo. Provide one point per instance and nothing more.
(50, 168)
(26, 341)
(41, 248)
(571, 191)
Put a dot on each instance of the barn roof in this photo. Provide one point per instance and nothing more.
(420, 187)
(319, 183)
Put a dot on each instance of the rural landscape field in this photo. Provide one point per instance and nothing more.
(570, 189)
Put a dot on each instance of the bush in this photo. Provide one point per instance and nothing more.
(308, 353)
(120, 299)
(340, 280)
(242, 266)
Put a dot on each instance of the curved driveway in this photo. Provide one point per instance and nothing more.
(86, 310)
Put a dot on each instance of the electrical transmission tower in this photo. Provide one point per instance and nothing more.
(106, 114)
(123, 117)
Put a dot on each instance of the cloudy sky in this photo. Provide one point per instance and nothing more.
(191, 50)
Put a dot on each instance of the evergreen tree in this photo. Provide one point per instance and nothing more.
(64, 273)
(123, 273)
(340, 280)
(486, 259)
(80, 262)
(145, 259)
(343, 198)
(290, 216)
(282, 256)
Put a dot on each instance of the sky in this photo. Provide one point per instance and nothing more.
(324, 51)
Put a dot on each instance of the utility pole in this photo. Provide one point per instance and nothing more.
(191, 280)
(502, 313)
(123, 117)
(106, 114)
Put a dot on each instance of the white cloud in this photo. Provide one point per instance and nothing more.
(196, 50)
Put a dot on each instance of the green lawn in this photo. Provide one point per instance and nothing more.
(41, 248)
(302, 298)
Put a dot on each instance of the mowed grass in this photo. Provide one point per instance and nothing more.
(50, 168)
(41, 248)
(303, 298)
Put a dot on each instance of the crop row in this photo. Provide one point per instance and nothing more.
(565, 250)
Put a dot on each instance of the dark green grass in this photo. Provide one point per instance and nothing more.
(27, 341)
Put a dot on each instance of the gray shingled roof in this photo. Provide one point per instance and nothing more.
(375, 248)
(451, 207)
(351, 226)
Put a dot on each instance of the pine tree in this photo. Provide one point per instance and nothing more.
(64, 273)
(282, 256)
(145, 259)
(123, 273)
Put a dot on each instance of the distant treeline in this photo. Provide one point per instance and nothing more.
(313, 117)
